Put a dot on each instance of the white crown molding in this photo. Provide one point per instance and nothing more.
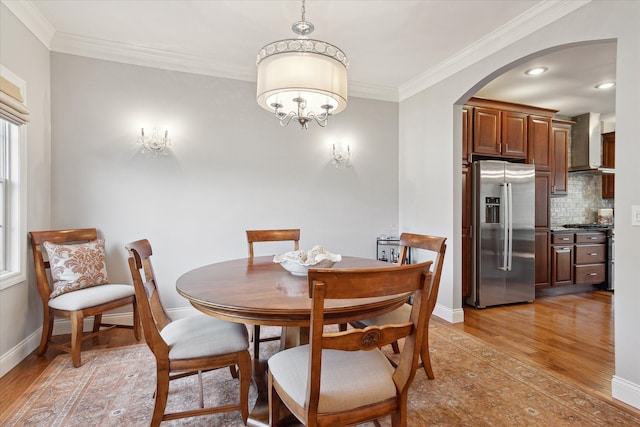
(535, 18)
(31, 17)
(373, 91)
(539, 16)
(144, 56)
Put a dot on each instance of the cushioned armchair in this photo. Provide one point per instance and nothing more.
(79, 286)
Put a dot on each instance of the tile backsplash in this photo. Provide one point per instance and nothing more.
(581, 204)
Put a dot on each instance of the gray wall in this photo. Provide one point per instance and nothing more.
(232, 167)
(24, 55)
(430, 135)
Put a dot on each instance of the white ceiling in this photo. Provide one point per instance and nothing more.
(395, 48)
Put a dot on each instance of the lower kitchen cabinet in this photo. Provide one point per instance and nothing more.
(590, 258)
(542, 266)
(578, 258)
(562, 259)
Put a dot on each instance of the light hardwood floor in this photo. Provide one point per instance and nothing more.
(570, 335)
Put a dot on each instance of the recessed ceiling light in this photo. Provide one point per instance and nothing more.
(536, 71)
(605, 85)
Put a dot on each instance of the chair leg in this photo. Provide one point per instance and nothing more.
(274, 404)
(47, 330)
(201, 391)
(395, 347)
(234, 371)
(77, 323)
(97, 322)
(244, 366)
(256, 341)
(342, 327)
(162, 391)
(426, 360)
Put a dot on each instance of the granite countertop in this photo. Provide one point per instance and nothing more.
(561, 229)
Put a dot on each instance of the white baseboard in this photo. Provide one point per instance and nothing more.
(451, 316)
(15, 355)
(625, 391)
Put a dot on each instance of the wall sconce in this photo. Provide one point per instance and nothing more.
(341, 158)
(154, 144)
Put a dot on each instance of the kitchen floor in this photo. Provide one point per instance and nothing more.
(571, 335)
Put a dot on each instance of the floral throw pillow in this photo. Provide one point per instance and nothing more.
(76, 266)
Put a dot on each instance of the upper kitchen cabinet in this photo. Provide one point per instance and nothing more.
(608, 161)
(539, 142)
(502, 130)
(499, 133)
(560, 141)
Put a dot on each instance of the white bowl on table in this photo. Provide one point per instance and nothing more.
(298, 262)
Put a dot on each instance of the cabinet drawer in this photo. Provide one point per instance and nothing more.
(561, 238)
(589, 274)
(590, 254)
(591, 238)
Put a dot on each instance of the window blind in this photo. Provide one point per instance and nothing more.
(12, 105)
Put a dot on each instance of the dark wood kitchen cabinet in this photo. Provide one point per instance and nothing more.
(542, 213)
(590, 258)
(608, 161)
(539, 142)
(578, 258)
(562, 259)
(467, 261)
(542, 266)
(467, 134)
(560, 142)
(499, 133)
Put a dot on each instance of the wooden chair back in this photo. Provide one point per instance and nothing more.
(433, 244)
(41, 265)
(325, 284)
(152, 313)
(254, 236)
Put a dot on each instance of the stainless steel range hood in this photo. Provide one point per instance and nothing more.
(586, 145)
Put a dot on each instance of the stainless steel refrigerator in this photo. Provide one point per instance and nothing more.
(503, 233)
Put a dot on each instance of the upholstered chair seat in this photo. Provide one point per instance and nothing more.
(369, 373)
(90, 297)
(201, 335)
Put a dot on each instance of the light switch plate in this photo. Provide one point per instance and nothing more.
(635, 215)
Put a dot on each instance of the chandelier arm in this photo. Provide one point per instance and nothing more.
(285, 119)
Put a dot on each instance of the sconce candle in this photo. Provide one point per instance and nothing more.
(340, 158)
(155, 144)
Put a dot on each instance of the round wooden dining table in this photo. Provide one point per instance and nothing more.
(263, 292)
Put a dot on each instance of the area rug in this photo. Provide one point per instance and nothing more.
(475, 385)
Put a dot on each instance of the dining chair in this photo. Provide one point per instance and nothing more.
(254, 236)
(343, 378)
(73, 284)
(187, 346)
(433, 246)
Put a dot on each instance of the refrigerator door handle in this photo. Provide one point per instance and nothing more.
(505, 241)
(510, 228)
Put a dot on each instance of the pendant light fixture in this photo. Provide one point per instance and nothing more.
(302, 79)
